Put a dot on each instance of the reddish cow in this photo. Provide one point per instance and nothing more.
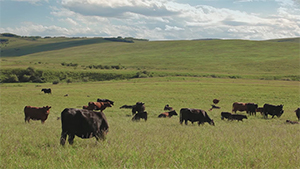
(36, 113)
(97, 106)
(260, 109)
(239, 106)
(168, 114)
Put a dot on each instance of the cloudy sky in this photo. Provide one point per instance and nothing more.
(153, 19)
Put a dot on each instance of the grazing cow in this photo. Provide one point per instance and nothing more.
(97, 106)
(167, 107)
(82, 123)
(126, 106)
(46, 91)
(216, 101)
(105, 100)
(251, 108)
(168, 114)
(298, 113)
(138, 107)
(225, 115)
(214, 107)
(36, 113)
(291, 122)
(193, 115)
(238, 117)
(140, 115)
(272, 110)
(260, 109)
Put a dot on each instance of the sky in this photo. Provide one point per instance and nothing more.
(153, 19)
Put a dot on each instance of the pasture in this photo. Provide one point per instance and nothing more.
(158, 142)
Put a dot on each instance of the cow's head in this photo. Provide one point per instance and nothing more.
(47, 108)
(280, 113)
(173, 113)
(212, 122)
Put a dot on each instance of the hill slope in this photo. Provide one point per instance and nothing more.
(239, 58)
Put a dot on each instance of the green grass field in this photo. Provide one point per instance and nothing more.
(157, 143)
(185, 74)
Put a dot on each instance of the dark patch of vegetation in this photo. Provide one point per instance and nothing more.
(39, 76)
(105, 67)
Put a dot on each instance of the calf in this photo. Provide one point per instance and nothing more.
(140, 115)
(46, 91)
(238, 117)
(97, 106)
(260, 109)
(225, 115)
(36, 113)
(168, 114)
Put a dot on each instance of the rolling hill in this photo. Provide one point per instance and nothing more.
(272, 59)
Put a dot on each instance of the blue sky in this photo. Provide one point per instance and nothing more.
(153, 19)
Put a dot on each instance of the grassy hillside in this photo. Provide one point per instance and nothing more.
(219, 58)
(157, 143)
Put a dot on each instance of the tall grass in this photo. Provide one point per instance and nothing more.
(157, 143)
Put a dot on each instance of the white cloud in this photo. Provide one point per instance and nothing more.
(161, 19)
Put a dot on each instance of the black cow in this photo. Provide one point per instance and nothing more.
(140, 115)
(238, 117)
(82, 123)
(167, 107)
(225, 115)
(105, 100)
(298, 113)
(46, 91)
(138, 107)
(192, 115)
(251, 108)
(126, 106)
(272, 110)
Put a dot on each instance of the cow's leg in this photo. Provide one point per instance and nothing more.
(42, 121)
(71, 139)
(63, 138)
(27, 118)
(185, 122)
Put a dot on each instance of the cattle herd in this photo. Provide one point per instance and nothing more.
(88, 122)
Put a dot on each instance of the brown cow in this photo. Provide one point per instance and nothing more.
(97, 106)
(248, 107)
(239, 106)
(36, 113)
(168, 114)
(260, 109)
